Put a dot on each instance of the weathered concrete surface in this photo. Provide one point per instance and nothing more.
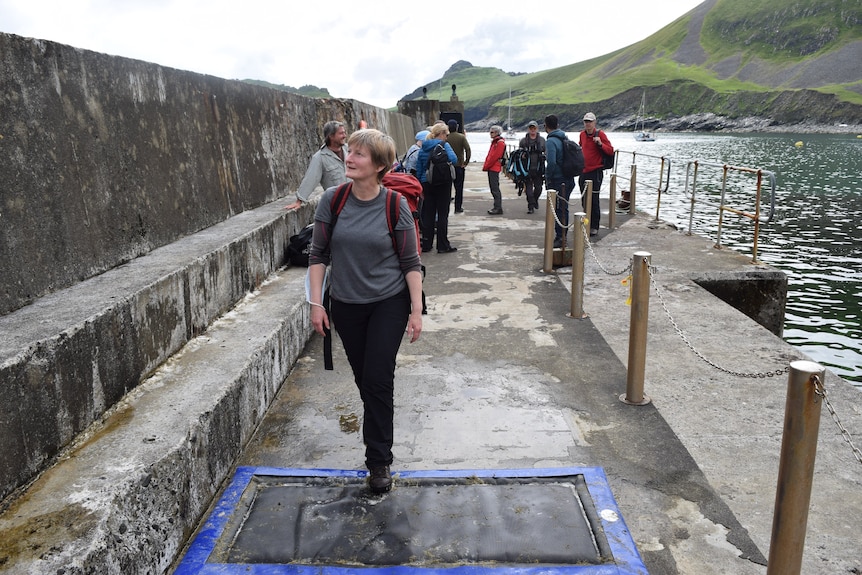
(70, 356)
(125, 497)
(501, 378)
(103, 159)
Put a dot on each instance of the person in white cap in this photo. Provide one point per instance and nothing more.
(595, 145)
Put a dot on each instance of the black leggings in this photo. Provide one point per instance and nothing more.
(371, 335)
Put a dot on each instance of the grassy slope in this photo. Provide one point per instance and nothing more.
(777, 35)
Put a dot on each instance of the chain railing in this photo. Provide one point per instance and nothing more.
(625, 270)
(819, 389)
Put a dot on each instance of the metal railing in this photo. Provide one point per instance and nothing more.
(755, 213)
(722, 205)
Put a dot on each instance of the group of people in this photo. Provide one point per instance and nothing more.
(548, 154)
(374, 284)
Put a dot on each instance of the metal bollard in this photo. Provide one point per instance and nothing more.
(578, 244)
(548, 260)
(633, 185)
(634, 394)
(795, 469)
(587, 200)
(612, 202)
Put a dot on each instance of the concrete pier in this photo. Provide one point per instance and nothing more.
(502, 377)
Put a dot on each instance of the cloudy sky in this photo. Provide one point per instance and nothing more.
(375, 52)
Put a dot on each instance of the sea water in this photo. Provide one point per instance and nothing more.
(814, 235)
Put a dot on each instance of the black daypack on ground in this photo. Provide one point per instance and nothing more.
(299, 245)
(573, 158)
(440, 169)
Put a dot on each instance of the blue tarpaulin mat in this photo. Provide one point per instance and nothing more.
(317, 521)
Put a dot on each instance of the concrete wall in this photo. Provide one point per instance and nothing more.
(103, 159)
(137, 204)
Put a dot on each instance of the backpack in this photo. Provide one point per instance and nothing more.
(400, 164)
(396, 184)
(518, 165)
(440, 169)
(573, 158)
(299, 245)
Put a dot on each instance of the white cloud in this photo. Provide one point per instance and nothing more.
(376, 55)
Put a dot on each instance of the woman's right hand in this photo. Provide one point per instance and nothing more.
(319, 319)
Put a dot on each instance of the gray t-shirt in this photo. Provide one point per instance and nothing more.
(365, 266)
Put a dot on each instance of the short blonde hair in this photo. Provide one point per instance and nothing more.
(380, 146)
(438, 130)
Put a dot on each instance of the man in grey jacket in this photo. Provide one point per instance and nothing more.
(327, 164)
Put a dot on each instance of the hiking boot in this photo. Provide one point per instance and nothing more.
(530, 210)
(558, 243)
(379, 479)
(495, 211)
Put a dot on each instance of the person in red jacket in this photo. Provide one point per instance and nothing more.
(594, 144)
(493, 164)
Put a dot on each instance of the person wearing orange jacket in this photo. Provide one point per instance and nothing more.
(595, 145)
(493, 164)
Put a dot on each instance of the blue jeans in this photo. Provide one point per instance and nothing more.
(564, 190)
(371, 334)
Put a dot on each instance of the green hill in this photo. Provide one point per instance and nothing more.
(725, 64)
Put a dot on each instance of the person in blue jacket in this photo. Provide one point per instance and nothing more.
(434, 216)
(554, 178)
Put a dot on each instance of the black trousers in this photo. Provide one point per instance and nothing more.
(458, 184)
(596, 176)
(371, 335)
(533, 189)
(434, 219)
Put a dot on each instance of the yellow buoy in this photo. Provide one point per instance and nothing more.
(798, 144)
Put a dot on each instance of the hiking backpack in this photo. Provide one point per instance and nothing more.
(518, 165)
(573, 158)
(440, 169)
(400, 165)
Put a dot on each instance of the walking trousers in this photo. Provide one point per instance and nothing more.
(371, 334)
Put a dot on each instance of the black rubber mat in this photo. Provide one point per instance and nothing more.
(436, 520)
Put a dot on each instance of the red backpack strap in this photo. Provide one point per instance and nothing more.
(393, 212)
(339, 198)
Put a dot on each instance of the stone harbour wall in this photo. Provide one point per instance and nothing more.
(138, 204)
(103, 159)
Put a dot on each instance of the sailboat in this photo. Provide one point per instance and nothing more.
(642, 135)
(510, 133)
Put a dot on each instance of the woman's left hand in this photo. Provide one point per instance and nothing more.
(414, 326)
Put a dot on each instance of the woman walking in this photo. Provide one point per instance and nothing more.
(375, 288)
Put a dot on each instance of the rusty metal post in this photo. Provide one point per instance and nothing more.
(612, 202)
(633, 184)
(795, 469)
(550, 211)
(634, 394)
(587, 201)
(576, 309)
